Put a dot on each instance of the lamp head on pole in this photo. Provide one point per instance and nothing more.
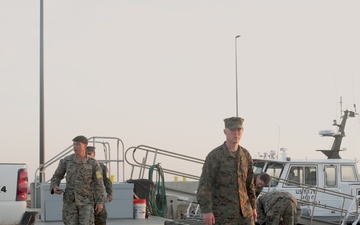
(237, 36)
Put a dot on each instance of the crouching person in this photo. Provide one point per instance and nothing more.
(278, 207)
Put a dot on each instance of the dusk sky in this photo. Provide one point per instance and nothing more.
(162, 73)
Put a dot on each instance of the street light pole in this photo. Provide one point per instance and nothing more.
(236, 37)
(42, 133)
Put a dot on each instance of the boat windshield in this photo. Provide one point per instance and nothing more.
(258, 166)
(274, 169)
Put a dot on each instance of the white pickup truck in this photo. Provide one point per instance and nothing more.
(13, 195)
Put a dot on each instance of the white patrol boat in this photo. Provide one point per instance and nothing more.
(328, 190)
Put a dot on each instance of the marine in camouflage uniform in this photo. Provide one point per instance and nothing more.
(84, 186)
(100, 218)
(278, 206)
(226, 187)
(260, 180)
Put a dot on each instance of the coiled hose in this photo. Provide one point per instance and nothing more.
(158, 194)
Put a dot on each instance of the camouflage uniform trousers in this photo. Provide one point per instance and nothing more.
(284, 208)
(100, 218)
(77, 215)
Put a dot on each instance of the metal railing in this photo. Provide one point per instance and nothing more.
(143, 157)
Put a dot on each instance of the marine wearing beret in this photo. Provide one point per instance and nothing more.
(80, 139)
(84, 190)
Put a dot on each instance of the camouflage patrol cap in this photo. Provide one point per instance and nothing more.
(90, 149)
(81, 139)
(234, 122)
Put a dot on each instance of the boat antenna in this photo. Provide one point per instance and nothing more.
(278, 147)
(354, 95)
(355, 108)
(341, 102)
(236, 78)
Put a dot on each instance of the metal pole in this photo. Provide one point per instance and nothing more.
(236, 37)
(41, 144)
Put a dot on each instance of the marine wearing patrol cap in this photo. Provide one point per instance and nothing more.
(233, 122)
(81, 139)
(89, 149)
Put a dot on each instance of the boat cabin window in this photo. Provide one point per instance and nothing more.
(311, 178)
(330, 176)
(259, 167)
(274, 170)
(301, 174)
(348, 173)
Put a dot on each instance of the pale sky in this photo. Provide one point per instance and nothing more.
(162, 73)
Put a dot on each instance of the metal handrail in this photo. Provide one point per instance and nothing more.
(355, 203)
(143, 163)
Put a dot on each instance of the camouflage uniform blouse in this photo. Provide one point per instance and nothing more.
(107, 181)
(275, 201)
(84, 181)
(226, 185)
